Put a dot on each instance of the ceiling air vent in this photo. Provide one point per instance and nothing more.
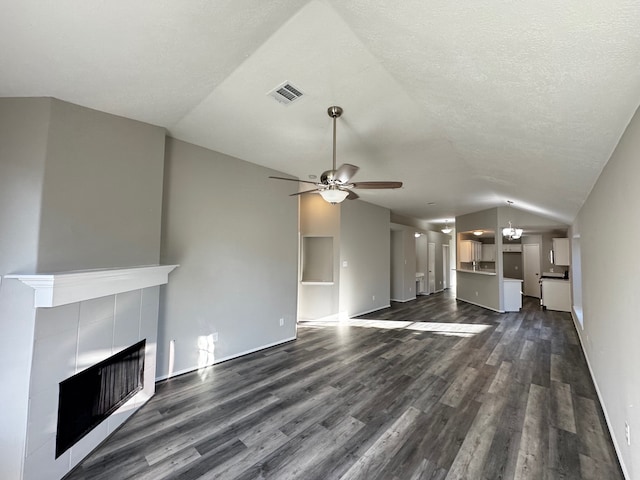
(286, 93)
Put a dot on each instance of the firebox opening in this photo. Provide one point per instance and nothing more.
(87, 398)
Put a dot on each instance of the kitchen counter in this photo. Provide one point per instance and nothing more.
(478, 272)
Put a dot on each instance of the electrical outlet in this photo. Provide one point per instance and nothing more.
(373, 298)
(281, 322)
(214, 336)
(627, 433)
(476, 294)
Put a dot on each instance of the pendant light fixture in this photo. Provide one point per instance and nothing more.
(510, 232)
(447, 229)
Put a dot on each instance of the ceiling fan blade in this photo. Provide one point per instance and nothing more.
(352, 195)
(344, 173)
(315, 190)
(294, 180)
(372, 185)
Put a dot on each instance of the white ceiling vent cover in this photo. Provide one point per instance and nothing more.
(286, 93)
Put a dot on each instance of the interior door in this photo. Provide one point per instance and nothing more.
(432, 267)
(531, 265)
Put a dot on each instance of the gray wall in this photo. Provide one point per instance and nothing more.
(610, 291)
(396, 250)
(58, 215)
(24, 126)
(364, 245)
(102, 197)
(234, 233)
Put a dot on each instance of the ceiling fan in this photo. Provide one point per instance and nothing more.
(334, 184)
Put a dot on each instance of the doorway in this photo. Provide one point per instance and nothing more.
(431, 262)
(531, 265)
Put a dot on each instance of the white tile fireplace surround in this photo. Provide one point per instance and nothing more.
(82, 318)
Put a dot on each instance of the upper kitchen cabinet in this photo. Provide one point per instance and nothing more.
(512, 247)
(561, 254)
(469, 251)
(476, 251)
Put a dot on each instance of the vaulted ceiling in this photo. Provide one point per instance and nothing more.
(469, 104)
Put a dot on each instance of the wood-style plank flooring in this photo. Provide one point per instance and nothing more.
(437, 389)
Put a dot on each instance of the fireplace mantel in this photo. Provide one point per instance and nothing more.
(55, 289)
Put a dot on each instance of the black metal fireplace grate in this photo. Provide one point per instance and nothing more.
(90, 396)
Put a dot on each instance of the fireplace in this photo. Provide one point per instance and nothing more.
(89, 397)
(71, 325)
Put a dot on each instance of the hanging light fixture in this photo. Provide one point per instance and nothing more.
(447, 229)
(511, 232)
(477, 233)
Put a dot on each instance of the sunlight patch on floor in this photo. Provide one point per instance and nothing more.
(448, 329)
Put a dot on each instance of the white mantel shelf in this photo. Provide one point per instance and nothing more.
(55, 289)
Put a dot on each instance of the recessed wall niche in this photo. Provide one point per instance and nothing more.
(317, 259)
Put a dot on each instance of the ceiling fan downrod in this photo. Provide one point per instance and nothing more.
(334, 112)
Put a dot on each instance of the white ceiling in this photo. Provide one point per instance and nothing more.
(469, 104)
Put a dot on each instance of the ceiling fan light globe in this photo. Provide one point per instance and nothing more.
(334, 195)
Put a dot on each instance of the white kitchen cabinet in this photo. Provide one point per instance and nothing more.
(488, 252)
(469, 251)
(512, 294)
(561, 255)
(556, 294)
(512, 247)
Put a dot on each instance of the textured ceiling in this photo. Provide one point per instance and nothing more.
(469, 105)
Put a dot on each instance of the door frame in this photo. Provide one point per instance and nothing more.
(531, 270)
(445, 267)
(431, 267)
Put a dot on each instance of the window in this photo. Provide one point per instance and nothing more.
(576, 267)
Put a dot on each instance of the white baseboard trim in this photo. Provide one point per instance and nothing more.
(335, 317)
(369, 311)
(479, 305)
(402, 301)
(616, 446)
(424, 294)
(224, 359)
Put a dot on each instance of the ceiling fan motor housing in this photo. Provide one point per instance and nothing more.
(328, 177)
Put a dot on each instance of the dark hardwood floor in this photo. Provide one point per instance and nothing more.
(429, 389)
